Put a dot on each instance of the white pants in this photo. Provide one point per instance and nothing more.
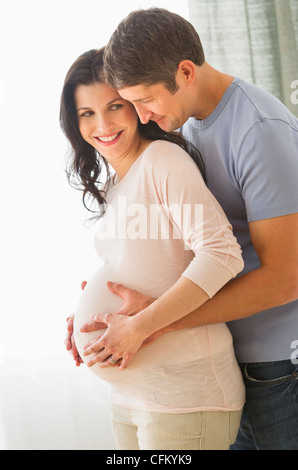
(142, 430)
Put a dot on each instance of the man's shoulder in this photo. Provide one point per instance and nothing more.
(242, 107)
(260, 102)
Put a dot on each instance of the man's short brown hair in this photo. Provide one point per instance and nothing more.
(147, 47)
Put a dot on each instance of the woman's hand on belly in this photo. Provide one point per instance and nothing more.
(131, 341)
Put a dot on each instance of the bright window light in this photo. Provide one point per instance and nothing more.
(46, 251)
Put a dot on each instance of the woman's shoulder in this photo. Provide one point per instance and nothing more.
(167, 155)
(164, 146)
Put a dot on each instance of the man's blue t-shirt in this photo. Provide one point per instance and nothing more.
(249, 145)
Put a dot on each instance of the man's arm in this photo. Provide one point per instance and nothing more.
(274, 283)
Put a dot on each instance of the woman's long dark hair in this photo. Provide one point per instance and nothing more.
(84, 165)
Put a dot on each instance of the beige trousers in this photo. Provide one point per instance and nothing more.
(142, 430)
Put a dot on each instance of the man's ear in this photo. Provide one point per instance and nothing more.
(187, 69)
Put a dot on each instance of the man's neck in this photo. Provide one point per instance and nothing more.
(210, 88)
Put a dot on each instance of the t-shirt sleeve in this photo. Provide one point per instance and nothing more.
(267, 169)
(197, 217)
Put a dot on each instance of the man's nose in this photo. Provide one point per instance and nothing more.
(143, 113)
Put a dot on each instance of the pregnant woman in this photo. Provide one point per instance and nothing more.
(162, 233)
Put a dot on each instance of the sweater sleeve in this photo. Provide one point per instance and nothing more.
(197, 218)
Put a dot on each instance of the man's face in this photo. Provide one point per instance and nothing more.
(157, 103)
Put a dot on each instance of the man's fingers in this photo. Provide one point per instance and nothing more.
(92, 325)
(70, 324)
(72, 349)
(117, 289)
(69, 328)
(120, 289)
(67, 343)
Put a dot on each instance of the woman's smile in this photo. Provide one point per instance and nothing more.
(109, 139)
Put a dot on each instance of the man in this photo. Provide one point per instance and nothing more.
(249, 143)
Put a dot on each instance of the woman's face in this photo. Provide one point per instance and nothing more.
(107, 121)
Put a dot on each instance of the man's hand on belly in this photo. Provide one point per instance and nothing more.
(69, 339)
(70, 343)
(134, 302)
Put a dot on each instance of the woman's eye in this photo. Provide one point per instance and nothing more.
(86, 114)
(114, 107)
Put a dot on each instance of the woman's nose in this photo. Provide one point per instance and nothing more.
(102, 124)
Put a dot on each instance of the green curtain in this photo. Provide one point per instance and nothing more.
(256, 40)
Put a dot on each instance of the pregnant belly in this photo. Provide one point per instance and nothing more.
(95, 299)
(162, 372)
(171, 349)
